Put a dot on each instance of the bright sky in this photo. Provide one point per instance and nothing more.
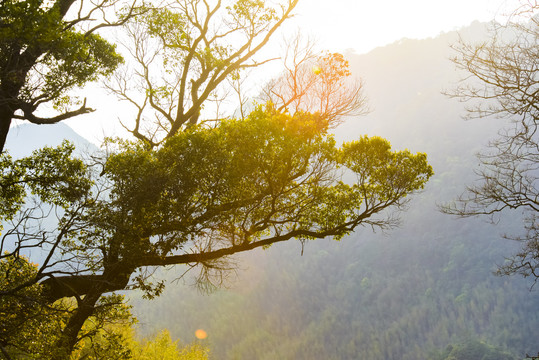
(339, 25)
(365, 24)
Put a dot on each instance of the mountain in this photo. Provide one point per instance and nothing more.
(406, 294)
(25, 138)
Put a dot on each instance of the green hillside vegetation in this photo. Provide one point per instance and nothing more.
(157, 347)
(472, 349)
(384, 299)
(406, 294)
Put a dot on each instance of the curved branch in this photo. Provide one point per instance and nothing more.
(29, 115)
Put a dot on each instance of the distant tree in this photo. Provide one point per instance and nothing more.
(504, 82)
(161, 346)
(472, 349)
(315, 82)
(126, 345)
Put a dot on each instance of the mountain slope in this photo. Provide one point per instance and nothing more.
(25, 138)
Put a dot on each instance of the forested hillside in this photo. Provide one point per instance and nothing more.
(404, 294)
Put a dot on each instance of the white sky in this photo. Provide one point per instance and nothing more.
(338, 25)
(365, 24)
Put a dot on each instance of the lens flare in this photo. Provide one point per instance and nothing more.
(201, 334)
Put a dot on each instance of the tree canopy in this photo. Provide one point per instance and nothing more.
(209, 193)
(472, 349)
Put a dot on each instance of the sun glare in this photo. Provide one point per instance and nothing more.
(201, 334)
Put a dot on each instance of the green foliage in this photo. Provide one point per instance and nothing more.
(384, 173)
(43, 55)
(28, 327)
(162, 347)
(55, 176)
(170, 27)
(104, 333)
(472, 350)
(120, 341)
(12, 194)
(242, 178)
(113, 341)
(74, 60)
(51, 174)
(255, 12)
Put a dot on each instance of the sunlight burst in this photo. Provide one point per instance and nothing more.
(201, 334)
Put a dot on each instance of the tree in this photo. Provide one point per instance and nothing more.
(162, 346)
(181, 55)
(47, 48)
(209, 193)
(159, 346)
(504, 81)
(193, 191)
(315, 82)
(472, 349)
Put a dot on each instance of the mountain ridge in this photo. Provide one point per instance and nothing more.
(25, 138)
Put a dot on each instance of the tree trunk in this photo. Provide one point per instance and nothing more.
(6, 114)
(92, 286)
(70, 335)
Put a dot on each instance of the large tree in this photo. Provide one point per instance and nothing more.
(503, 82)
(194, 189)
(204, 195)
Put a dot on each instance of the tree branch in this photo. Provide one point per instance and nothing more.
(28, 115)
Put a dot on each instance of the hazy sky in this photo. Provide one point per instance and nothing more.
(339, 25)
(365, 24)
